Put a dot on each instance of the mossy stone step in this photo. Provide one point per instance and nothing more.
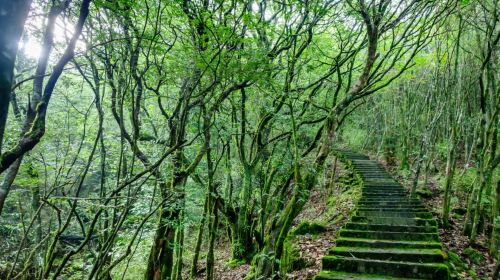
(392, 254)
(379, 198)
(392, 209)
(336, 275)
(371, 176)
(394, 228)
(422, 215)
(375, 173)
(388, 199)
(376, 243)
(394, 221)
(389, 204)
(389, 235)
(368, 194)
(383, 189)
(381, 183)
(392, 268)
(356, 157)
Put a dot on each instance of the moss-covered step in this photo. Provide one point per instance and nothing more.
(386, 193)
(423, 215)
(391, 254)
(352, 155)
(394, 228)
(374, 243)
(394, 221)
(392, 209)
(364, 176)
(373, 170)
(335, 275)
(382, 183)
(393, 200)
(386, 203)
(397, 206)
(392, 268)
(381, 194)
(396, 199)
(383, 189)
(389, 235)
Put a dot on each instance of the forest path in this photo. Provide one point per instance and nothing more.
(391, 236)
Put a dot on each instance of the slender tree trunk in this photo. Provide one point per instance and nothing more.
(483, 182)
(8, 181)
(495, 234)
(199, 240)
(450, 171)
(179, 250)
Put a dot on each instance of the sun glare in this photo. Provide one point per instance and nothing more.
(31, 48)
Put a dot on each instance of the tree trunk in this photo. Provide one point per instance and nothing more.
(242, 239)
(12, 18)
(495, 234)
(199, 240)
(450, 171)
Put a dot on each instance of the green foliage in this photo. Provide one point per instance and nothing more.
(474, 255)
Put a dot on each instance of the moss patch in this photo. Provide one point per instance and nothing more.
(474, 255)
(307, 227)
(426, 193)
(291, 260)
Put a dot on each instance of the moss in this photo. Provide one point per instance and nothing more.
(474, 255)
(456, 264)
(424, 192)
(337, 219)
(235, 263)
(290, 259)
(306, 227)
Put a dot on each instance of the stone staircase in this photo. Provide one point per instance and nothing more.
(391, 236)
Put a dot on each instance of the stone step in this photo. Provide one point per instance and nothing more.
(394, 221)
(388, 199)
(392, 209)
(377, 243)
(422, 215)
(382, 194)
(356, 157)
(392, 254)
(383, 189)
(393, 228)
(374, 176)
(385, 184)
(370, 194)
(392, 268)
(389, 204)
(389, 235)
(336, 275)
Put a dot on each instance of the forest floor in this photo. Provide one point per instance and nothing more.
(475, 262)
